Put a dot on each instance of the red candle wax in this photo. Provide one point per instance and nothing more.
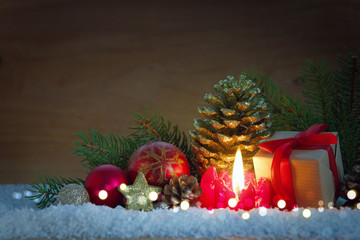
(263, 193)
(217, 189)
(255, 195)
(247, 198)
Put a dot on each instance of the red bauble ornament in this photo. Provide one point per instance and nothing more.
(159, 161)
(102, 183)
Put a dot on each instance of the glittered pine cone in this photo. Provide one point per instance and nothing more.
(236, 116)
(181, 188)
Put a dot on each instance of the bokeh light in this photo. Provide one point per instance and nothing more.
(185, 205)
(306, 213)
(103, 194)
(153, 196)
(232, 202)
(281, 204)
(295, 208)
(27, 193)
(17, 195)
(262, 211)
(351, 194)
(358, 205)
(245, 215)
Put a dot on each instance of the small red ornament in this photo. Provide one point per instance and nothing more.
(102, 183)
(159, 161)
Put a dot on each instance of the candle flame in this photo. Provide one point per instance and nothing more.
(238, 179)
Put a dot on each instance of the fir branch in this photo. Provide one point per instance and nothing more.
(347, 107)
(146, 125)
(96, 149)
(44, 193)
(348, 83)
(355, 70)
(318, 89)
(288, 113)
(269, 90)
(156, 128)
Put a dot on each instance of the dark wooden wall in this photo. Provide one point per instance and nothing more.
(70, 65)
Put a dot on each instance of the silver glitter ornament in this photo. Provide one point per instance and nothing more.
(74, 194)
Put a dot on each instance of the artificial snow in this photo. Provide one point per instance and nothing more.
(20, 219)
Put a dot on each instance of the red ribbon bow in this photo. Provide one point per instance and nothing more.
(280, 168)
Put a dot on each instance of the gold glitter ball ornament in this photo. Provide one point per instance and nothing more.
(139, 196)
(73, 194)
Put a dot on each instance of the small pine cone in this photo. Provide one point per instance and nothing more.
(352, 182)
(181, 188)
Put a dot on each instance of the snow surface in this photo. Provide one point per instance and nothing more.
(20, 219)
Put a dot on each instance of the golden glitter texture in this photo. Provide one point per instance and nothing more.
(137, 195)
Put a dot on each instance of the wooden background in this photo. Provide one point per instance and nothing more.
(70, 65)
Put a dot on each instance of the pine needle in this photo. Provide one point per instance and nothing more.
(45, 192)
(96, 149)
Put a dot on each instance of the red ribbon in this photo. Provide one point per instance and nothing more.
(280, 168)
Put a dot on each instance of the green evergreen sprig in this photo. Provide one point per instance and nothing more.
(332, 96)
(95, 148)
(319, 89)
(289, 113)
(156, 128)
(347, 81)
(347, 106)
(45, 192)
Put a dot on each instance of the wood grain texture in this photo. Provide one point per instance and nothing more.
(70, 65)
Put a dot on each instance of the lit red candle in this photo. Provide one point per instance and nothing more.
(240, 192)
(248, 194)
(243, 186)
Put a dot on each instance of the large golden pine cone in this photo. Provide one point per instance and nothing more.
(237, 116)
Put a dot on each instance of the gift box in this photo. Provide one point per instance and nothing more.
(312, 178)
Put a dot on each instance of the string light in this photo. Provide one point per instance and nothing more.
(262, 211)
(123, 186)
(281, 204)
(27, 193)
(175, 209)
(17, 195)
(245, 215)
(351, 194)
(185, 205)
(153, 196)
(103, 194)
(306, 213)
(232, 202)
(211, 211)
(358, 205)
